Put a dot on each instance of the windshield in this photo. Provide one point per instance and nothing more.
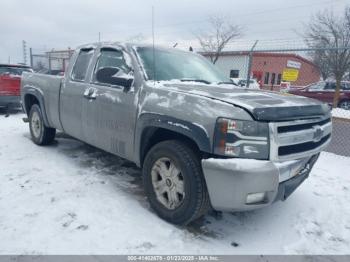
(174, 64)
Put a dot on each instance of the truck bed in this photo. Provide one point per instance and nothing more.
(49, 87)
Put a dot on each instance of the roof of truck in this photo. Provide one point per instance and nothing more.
(123, 44)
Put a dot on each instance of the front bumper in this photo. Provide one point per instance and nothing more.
(230, 181)
(5, 101)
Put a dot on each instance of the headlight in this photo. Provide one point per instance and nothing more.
(238, 138)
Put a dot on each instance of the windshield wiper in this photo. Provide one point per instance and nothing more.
(195, 80)
(227, 83)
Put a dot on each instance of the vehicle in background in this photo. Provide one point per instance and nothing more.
(10, 83)
(253, 84)
(325, 91)
(201, 144)
(284, 86)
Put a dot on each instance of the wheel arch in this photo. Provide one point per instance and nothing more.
(153, 128)
(34, 96)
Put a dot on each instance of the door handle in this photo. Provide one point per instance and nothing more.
(90, 93)
(92, 96)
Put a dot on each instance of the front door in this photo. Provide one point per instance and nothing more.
(109, 114)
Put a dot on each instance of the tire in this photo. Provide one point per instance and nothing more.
(170, 158)
(40, 134)
(345, 104)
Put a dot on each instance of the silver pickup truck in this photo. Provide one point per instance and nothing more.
(201, 141)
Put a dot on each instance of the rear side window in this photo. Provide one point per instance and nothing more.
(81, 65)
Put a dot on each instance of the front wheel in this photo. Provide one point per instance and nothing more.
(174, 182)
(41, 135)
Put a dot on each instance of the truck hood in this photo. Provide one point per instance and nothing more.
(262, 105)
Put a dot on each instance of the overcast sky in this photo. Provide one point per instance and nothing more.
(67, 23)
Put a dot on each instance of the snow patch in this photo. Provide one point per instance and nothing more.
(341, 113)
(178, 125)
(70, 198)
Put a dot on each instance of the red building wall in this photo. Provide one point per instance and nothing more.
(276, 62)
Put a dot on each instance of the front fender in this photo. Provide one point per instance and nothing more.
(196, 133)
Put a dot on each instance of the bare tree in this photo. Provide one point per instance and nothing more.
(220, 32)
(330, 35)
(320, 59)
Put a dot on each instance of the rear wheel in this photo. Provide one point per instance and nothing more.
(345, 104)
(41, 135)
(174, 182)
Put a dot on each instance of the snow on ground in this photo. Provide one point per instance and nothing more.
(341, 113)
(70, 198)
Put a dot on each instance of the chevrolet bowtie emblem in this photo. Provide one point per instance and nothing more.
(318, 133)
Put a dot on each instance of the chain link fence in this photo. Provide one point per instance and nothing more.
(297, 71)
(53, 62)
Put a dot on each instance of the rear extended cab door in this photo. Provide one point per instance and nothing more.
(110, 112)
(73, 90)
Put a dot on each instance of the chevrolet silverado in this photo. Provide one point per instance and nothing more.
(201, 141)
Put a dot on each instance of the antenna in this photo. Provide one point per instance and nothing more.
(154, 52)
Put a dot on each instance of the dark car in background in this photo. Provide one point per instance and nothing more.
(10, 83)
(325, 91)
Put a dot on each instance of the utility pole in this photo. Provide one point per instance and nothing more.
(99, 37)
(31, 57)
(250, 63)
(24, 45)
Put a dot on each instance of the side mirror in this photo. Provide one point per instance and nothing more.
(114, 76)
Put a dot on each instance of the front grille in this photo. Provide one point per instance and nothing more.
(285, 129)
(299, 148)
(299, 138)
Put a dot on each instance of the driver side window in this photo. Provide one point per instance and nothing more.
(111, 58)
